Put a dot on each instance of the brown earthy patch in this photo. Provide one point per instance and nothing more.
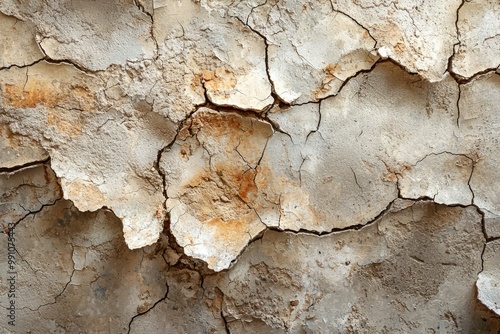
(216, 124)
(196, 81)
(247, 185)
(226, 192)
(230, 230)
(32, 95)
(69, 127)
(6, 132)
(400, 49)
(89, 195)
(328, 77)
(37, 92)
(220, 80)
(186, 150)
(393, 172)
(329, 71)
(84, 97)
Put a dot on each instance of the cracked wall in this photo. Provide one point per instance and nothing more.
(273, 166)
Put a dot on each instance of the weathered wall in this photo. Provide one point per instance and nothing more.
(265, 166)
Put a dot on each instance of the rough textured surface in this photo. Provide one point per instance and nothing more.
(18, 43)
(478, 118)
(488, 283)
(301, 69)
(411, 271)
(417, 34)
(90, 272)
(116, 32)
(105, 155)
(479, 35)
(18, 150)
(210, 172)
(264, 166)
(25, 191)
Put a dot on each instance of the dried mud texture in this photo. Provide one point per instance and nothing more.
(301, 69)
(479, 35)
(443, 177)
(411, 271)
(91, 271)
(419, 35)
(115, 32)
(488, 283)
(26, 190)
(286, 166)
(348, 166)
(103, 157)
(18, 151)
(478, 116)
(17, 42)
(210, 176)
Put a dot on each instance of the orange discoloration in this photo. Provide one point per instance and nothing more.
(196, 81)
(69, 127)
(230, 230)
(225, 191)
(221, 80)
(345, 67)
(159, 213)
(6, 132)
(224, 198)
(392, 173)
(49, 94)
(186, 150)
(222, 195)
(32, 95)
(84, 97)
(185, 131)
(207, 75)
(330, 71)
(328, 77)
(247, 185)
(217, 124)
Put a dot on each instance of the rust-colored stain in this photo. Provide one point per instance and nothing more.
(247, 185)
(224, 199)
(34, 94)
(227, 191)
(218, 124)
(230, 230)
(330, 71)
(223, 195)
(83, 96)
(71, 100)
(196, 81)
(230, 128)
(49, 94)
(393, 172)
(219, 81)
(329, 75)
(57, 119)
(186, 150)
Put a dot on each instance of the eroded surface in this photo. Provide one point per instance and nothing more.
(271, 158)
(479, 35)
(103, 157)
(488, 283)
(386, 277)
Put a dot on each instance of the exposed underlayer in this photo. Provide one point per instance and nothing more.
(250, 166)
